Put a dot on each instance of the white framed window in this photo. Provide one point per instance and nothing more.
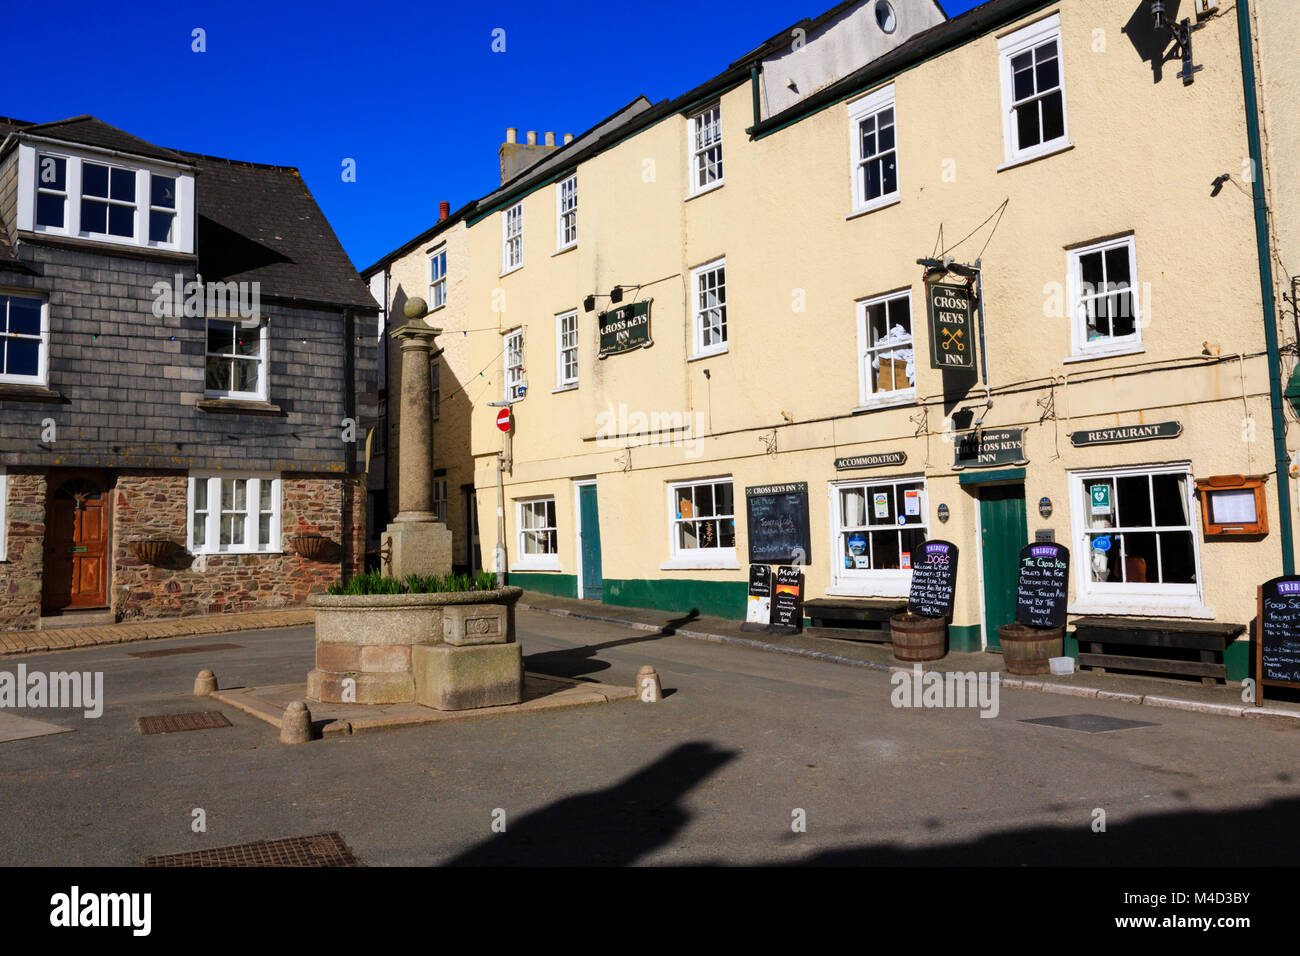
(4, 512)
(886, 365)
(24, 339)
(512, 238)
(706, 148)
(1104, 297)
(1033, 90)
(702, 520)
(876, 524)
(709, 283)
(236, 514)
(873, 122)
(1135, 532)
(51, 192)
(566, 349)
(435, 386)
(438, 278)
(162, 209)
(514, 365)
(236, 360)
(538, 539)
(566, 213)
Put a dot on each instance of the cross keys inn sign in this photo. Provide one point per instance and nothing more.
(952, 327)
(625, 328)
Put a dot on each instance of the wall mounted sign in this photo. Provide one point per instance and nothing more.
(1233, 505)
(1277, 651)
(934, 579)
(943, 514)
(871, 461)
(1099, 499)
(624, 328)
(952, 325)
(758, 612)
(778, 523)
(1045, 506)
(1043, 586)
(1123, 433)
(989, 447)
(787, 602)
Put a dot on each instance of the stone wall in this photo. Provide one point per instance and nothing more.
(21, 571)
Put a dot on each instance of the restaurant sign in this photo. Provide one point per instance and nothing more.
(625, 328)
(1123, 433)
(989, 447)
(871, 461)
(952, 327)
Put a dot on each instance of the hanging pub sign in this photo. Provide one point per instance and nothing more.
(1125, 433)
(985, 448)
(952, 325)
(778, 523)
(624, 328)
(758, 612)
(871, 461)
(1277, 644)
(787, 602)
(1043, 586)
(934, 579)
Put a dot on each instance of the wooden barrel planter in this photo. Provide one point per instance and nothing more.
(1025, 650)
(918, 638)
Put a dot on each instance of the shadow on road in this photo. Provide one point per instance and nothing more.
(578, 661)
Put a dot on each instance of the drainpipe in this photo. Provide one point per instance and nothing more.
(753, 84)
(1282, 460)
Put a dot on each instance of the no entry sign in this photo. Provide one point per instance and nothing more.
(503, 419)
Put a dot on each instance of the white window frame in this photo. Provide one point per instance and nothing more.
(263, 391)
(566, 213)
(700, 558)
(871, 582)
(1009, 47)
(513, 372)
(29, 184)
(869, 397)
(42, 376)
(566, 344)
(252, 513)
(437, 280)
(4, 513)
(1078, 317)
(1099, 597)
(512, 238)
(859, 111)
(536, 562)
(698, 153)
(698, 312)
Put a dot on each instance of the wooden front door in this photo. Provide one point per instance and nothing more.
(1004, 530)
(77, 542)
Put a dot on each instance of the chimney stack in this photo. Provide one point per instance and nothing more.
(444, 210)
(568, 138)
(517, 156)
(532, 137)
(512, 134)
(550, 140)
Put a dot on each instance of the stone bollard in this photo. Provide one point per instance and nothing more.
(648, 688)
(205, 684)
(295, 727)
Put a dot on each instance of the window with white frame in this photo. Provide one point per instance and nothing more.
(887, 368)
(875, 150)
(438, 279)
(876, 525)
(706, 148)
(234, 513)
(1136, 532)
(4, 512)
(566, 349)
(435, 386)
(566, 213)
(703, 518)
(710, 285)
(512, 238)
(51, 191)
(1104, 297)
(236, 359)
(538, 538)
(1033, 90)
(24, 339)
(514, 365)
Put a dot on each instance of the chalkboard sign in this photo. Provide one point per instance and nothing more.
(778, 523)
(1277, 650)
(934, 579)
(758, 612)
(1044, 585)
(787, 602)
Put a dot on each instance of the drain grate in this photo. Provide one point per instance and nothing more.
(1089, 723)
(323, 849)
(169, 651)
(175, 723)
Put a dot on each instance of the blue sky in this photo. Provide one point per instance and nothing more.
(411, 91)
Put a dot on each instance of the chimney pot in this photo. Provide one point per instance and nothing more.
(550, 140)
(532, 137)
(444, 210)
(512, 134)
(568, 138)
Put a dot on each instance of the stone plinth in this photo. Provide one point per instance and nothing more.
(419, 547)
(448, 677)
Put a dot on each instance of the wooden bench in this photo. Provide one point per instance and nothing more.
(1209, 638)
(849, 617)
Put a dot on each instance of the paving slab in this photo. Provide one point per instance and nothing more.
(13, 727)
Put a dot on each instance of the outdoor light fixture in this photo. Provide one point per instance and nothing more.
(1182, 36)
(589, 304)
(616, 294)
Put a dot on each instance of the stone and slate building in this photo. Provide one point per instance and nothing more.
(187, 360)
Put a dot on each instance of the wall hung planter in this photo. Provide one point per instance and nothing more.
(310, 546)
(154, 551)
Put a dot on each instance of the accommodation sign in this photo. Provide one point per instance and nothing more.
(989, 447)
(625, 328)
(871, 461)
(952, 327)
(1123, 433)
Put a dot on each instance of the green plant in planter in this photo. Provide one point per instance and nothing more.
(373, 582)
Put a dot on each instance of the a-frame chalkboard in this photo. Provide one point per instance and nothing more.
(1277, 635)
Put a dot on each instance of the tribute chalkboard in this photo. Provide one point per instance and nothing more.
(1277, 650)
(1044, 585)
(758, 612)
(787, 602)
(934, 579)
(778, 523)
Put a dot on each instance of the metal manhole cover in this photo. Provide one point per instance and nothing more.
(174, 723)
(169, 651)
(1089, 723)
(323, 849)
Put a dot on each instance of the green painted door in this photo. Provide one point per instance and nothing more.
(1003, 532)
(593, 585)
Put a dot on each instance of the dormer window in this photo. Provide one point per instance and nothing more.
(107, 201)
